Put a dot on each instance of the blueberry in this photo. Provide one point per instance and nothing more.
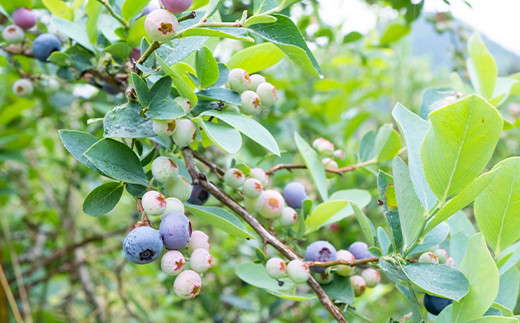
(358, 285)
(429, 257)
(442, 255)
(142, 245)
(359, 250)
(13, 34)
(180, 188)
(267, 93)
(184, 103)
(44, 45)
(135, 54)
(109, 88)
(24, 18)
(256, 80)
(198, 240)
(176, 6)
(371, 277)
(164, 128)
(172, 262)
(173, 204)
(184, 132)
(323, 146)
(289, 217)
(164, 169)
(320, 251)
(239, 80)
(260, 175)
(434, 304)
(151, 6)
(200, 260)
(175, 230)
(161, 25)
(273, 204)
(23, 87)
(276, 268)
(198, 196)
(294, 194)
(187, 285)
(298, 271)
(252, 188)
(250, 102)
(344, 270)
(234, 177)
(154, 203)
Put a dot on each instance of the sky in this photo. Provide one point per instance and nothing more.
(498, 20)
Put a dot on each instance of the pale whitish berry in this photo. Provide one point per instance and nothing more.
(338, 154)
(252, 188)
(180, 188)
(256, 80)
(164, 128)
(254, 205)
(172, 262)
(259, 174)
(173, 204)
(289, 216)
(198, 240)
(298, 271)
(442, 255)
(325, 278)
(267, 93)
(450, 262)
(371, 277)
(250, 102)
(234, 177)
(187, 285)
(276, 268)
(273, 205)
(329, 163)
(154, 203)
(13, 34)
(358, 285)
(429, 257)
(164, 169)
(23, 87)
(344, 255)
(161, 25)
(200, 260)
(184, 133)
(323, 146)
(184, 103)
(238, 80)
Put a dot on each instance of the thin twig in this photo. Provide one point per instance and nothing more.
(342, 262)
(113, 13)
(10, 297)
(270, 238)
(214, 167)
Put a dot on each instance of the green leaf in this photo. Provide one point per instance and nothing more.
(59, 9)
(509, 286)
(256, 58)
(462, 199)
(124, 121)
(360, 197)
(76, 143)
(161, 89)
(120, 50)
(141, 89)
(76, 31)
(103, 198)
(322, 213)
(509, 258)
(411, 212)
(60, 59)
(432, 239)
(132, 7)
(414, 130)
(117, 160)
(221, 219)
(165, 109)
(92, 10)
(385, 185)
(394, 222)
(366, 147)
(340, 290)
(284, 34)
(261, 19)
(387, 143)
(352, 37)
(393, 33)
(136, 33)
(495, 319)
(480, 270)
(481, 67)
(366, 225)
(314, 165)
(459, 144)
(433, 99)
(206, 67)
(213, 7)
(261, 6)
(497, 207)
(221, 32)
(439, 280)
(503, 87)
(248, 127)
(384, 241)
(181, 86)
(181, 49)
(222, 135)
(218, 94)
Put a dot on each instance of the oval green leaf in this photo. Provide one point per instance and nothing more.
(221, 219)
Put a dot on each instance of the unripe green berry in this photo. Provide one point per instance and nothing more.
(238, 80)
(184, 133)
(153, 202)
(256, 80)
(164, 128)
(23, 87)
(259, 174)
(179, 188)
(298, 271)
(184, 103)
(164, 169)
(267, 93)
(371, 277)
(254, 205)
(200, 260)
(329, 163)
(273, 204)
(324, 278)
(442, 255)
(358, 285)
(276, 268)
(234, 177)
(173, 204)
(252, 188)
(172, 262)
(289, 217)
(344, 255)
(429, 257)
(250, 102)
(13, 34)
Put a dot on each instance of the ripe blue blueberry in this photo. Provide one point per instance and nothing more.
(135, 54)
(359, 250)
(24, 18)
(161, 25)
(175, 230)
(294, 194)
(320, 251)
(44, 45)
(434, 304)
(142, 245)
(13, 34)
(198, 196)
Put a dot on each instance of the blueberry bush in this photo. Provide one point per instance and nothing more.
(196, 161)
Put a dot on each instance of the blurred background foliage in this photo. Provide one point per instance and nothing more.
(72, 266)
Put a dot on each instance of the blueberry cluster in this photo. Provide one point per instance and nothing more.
(437, 256)
(326, 149)
(176, 187)
(255, 91)
(182, 131)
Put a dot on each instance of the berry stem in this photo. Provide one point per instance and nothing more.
(153, 46)
(191, 15)
(268, 237)
(113, 13)
(342, 262)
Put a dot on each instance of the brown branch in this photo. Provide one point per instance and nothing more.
(342, 262)
(268, 237)
(214, 167)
